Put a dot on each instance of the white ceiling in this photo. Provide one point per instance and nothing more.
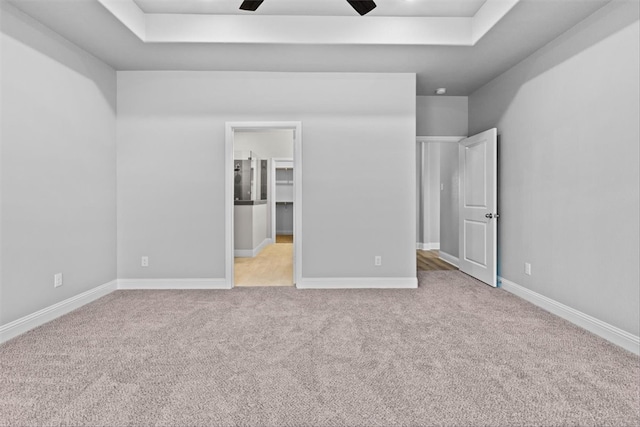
(289, 28)
(459, 8)
(529, 25)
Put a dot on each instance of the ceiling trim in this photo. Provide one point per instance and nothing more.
(491, 12)
(272, 29)
(130, 15)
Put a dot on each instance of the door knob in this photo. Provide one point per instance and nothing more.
(488, 215)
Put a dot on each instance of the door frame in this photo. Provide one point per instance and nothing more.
(230, 128)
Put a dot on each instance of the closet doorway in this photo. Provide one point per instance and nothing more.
(437, 202)
(263, 203)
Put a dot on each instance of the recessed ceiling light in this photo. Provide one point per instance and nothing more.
(441, 91)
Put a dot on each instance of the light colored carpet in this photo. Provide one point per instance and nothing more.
(273, 266)
(452, 352)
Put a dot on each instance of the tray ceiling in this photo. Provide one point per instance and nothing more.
(433, 8)
(462, 68)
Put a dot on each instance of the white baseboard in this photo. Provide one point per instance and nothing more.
(450, 259)
(433, 246)
(130, 284)
(609, 332)
(40, 317)
(250, 253)
(358, 283)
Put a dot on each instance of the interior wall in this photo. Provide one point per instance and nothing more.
(569, 166)
(250, 226)
(266, 144)
(57, 167)
(442, 116)
(171, 127)
(449, 179)
(419, 194)
(431, 197)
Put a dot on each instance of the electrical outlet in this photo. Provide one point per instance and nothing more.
(527, 269)
(441, 187)
(57, 280)
(144, 262)
(377, 261)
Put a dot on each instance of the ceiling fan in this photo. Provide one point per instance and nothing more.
(361, 6)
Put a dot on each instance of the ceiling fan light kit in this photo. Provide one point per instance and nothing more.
(361, 6)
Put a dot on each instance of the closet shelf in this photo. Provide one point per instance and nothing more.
(284, 182)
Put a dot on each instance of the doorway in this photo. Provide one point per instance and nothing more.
(457, 191)
(437, 202)
(263, 203)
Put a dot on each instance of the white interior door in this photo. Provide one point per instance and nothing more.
(478, 206)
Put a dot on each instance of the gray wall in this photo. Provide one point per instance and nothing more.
(284, 218)
(419, 193)
(569, 166)
(266, 143)
(57, 165)
(433, 171)
(449, 198)
(431, 197)
(441, 115)
(250, 226)
(171, 168)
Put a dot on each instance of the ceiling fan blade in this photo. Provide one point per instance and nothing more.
(362, 6)
(251, 5)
